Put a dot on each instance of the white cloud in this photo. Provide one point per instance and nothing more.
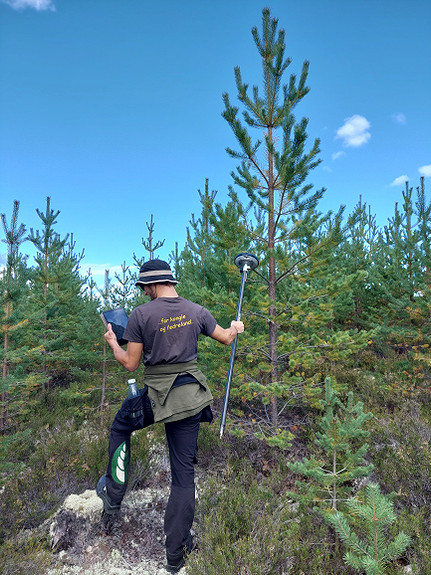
(355, 131)
(338, 155)
(38, 5)
(400, 181)
(98, 270)
(425, 171)
(399, 118)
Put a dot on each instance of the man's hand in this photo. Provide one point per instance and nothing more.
(130, 358)
(110, 337)
(226, 336)
(238, 325)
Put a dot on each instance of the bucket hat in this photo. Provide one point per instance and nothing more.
(154, 272)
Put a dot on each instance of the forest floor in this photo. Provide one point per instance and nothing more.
(134, 543)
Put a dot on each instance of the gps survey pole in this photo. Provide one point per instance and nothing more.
(245, 262)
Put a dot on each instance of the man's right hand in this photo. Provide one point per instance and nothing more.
(130, 358)
(110, 336)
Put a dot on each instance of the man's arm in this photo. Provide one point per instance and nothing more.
(226, 336)
(130, 358)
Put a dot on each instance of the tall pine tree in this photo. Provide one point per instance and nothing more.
(58, 335)
(292, 333)
(405, 278)
(13, 288)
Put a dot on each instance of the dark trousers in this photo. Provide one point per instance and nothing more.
(182, 438)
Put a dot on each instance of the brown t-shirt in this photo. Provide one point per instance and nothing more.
(169, 329)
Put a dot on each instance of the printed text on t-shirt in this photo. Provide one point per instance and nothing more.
(169, 323)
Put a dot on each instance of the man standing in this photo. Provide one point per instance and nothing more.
(164, 334)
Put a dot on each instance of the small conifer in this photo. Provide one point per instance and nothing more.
(342, 453)
(372, 551)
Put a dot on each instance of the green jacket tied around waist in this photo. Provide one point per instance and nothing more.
(174, 403)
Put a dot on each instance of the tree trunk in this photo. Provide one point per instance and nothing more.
(272, 289)
(3, 414)
(102, 397)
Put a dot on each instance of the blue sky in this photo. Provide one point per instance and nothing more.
(113, 108)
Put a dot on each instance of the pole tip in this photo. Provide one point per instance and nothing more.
(246, 259)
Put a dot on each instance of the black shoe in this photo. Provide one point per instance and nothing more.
(109, 508)
(190, 543)
(109, 522)
(175, 565)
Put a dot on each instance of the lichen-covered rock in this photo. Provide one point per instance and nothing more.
(87, 504)
(134, 543)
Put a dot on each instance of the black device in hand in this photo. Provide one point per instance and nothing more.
(118, 320)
